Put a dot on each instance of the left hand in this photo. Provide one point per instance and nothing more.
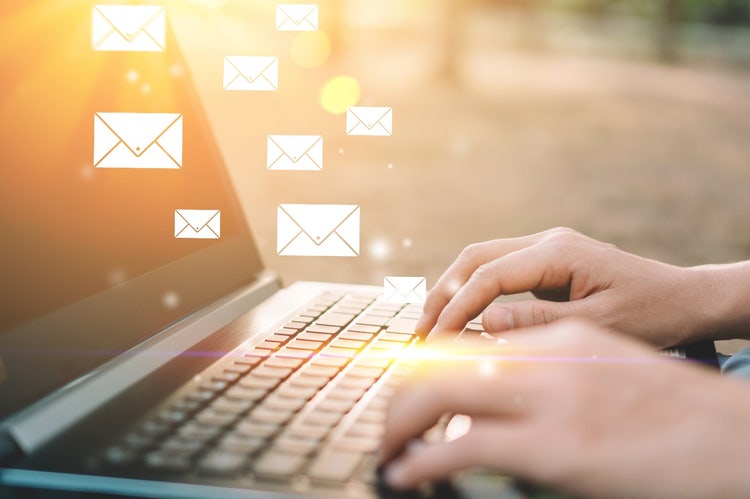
(579, 409)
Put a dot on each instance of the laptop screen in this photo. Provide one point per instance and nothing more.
(117, 214)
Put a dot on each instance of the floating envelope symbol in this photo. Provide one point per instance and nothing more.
(318, 230)
(197, 224)
(374, 121)
(296, 17)
(137, 140)
(295, 152)
(251, 73)
(404, 289)
(140, 28)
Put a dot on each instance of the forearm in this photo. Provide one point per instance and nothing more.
(723, 298)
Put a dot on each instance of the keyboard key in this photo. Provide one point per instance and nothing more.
(364, 328)
(386, 345)
(355, 382)
(304, 319)
(347, 310)
(371, 415)
(305, 431)
(278, 338)
(334, 319)
(335, 465)
(353, 335)
(222, 463)
(288, 353)
(296, 325)
(372, 361)
(304, 345)
(313, 312)
(239, 368)
(267, 345)
(371, 320)
(252, 381)
(227, 377)
(265, 371)
(400, 337)
(213, 418)
(168, 461)
(256, 429)
(172, 416)
(361, 429)
(309, 381)
(195, 431)
(313, 370)
(317, 418)
(243, 393)
(316, 328)
(370, 373)
(347, 394)
(181, 445)
(362, 445)
(201, 396)
(288, 445)
(278, 464)
(279, 403)
(353, 344)
(402, 326)
(213, 386)
(237, 442)
(284, 362)
(274, 415)
(296, 392)
(338, 352)
(336, 406)
(314, 336)
(328, 361)
(231, 405)
(286, 331)
(252, 358)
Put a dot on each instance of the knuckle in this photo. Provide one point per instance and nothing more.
(470, 253)
(541, 314)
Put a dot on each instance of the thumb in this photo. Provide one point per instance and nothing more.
(500, 317)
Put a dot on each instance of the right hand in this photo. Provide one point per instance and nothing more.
(575, 276)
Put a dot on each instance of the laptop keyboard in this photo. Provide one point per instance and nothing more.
(308, 402)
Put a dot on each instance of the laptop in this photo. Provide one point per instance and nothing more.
(145, 348)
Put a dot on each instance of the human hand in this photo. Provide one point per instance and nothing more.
(575, 408)
(662, 304)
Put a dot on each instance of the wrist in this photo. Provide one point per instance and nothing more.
(723, 304)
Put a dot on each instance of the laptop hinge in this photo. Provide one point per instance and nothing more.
(9, 451)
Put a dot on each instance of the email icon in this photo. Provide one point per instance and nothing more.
(296, 17)
(251, 73)
(197, 224)
(138, 140)
(140, 28)
(295, 152)
(318, 230)
(404, 289)
(374, 121)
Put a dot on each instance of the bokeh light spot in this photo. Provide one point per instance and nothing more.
(380, 249)
(310, 49)
(339, 93)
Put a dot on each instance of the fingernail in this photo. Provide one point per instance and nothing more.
(498, 319)
(395, 474)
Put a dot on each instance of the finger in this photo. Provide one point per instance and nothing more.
(481, 446)
(532, 268)
(499, 317)
(416, 408)
(459, 272)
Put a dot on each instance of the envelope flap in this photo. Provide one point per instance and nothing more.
(319, 221)
(251, 67)
(138, 130)
(297, 13)
(369, 116)
(197, 219)
(405, 285)
(295, 146)
(129, 20)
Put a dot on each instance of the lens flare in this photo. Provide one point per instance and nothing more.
(339, 93)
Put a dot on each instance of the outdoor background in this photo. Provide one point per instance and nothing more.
(626, 120)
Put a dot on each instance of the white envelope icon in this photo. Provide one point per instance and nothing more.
(295, 152)
(139, 28)
(197, 224)
(296, 17)
(404, 289)
(251, 73)
(318, 230)
(376, 121)
(138, 140)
